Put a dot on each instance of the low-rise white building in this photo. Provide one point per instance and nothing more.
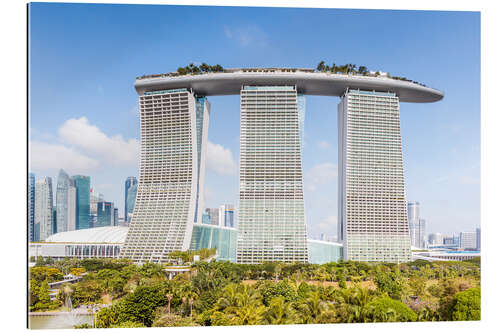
(102, 242)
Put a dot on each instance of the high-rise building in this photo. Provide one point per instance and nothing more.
(115, 217)
(468, 240)
(131, 181)
(271, 218)
(131, 195)
(373, 221)
(105, 214)
(31, 207)
(205, 218)
(44, 207)
(54, 221)
(227, 212)
(82, 184)
(71, 208)
(436, 239)
(171, 174)
(174, 118)
(416, 225)
(413, 222)
(214, 214)
(65, 202)
(478, 239)
(449, 240)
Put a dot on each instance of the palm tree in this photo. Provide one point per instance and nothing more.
(321, 66)
(204, 67)
(311, 308)
(280, 312)
(169, 297)
(229, 297)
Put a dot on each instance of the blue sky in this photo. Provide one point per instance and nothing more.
(83, 106)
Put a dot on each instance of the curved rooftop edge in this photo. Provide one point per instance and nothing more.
(112, 234)
(308, 83)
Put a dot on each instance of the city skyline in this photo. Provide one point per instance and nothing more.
(442, 177)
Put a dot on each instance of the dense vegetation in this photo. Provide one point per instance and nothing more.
(222, 293)
(353, 69)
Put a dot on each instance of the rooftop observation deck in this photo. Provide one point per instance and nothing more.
(308, 82)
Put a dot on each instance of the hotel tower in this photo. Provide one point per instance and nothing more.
(174, 126)
(271, 220)
(372, 215)
(373, 222)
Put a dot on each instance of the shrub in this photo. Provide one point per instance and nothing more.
(386, 309)
(467, 305)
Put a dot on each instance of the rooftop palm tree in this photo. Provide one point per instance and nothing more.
(321, 66)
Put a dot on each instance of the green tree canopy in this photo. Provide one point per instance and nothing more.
(467, 305)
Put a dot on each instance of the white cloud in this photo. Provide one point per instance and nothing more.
(248, 35)
(89, 138)
(468, 180)
(105, 186)
(228, 32)
(208, 195)
(328, 225)
(135, 110)
(320, 174)
(45, 156)
(324, 145)
(220, 159)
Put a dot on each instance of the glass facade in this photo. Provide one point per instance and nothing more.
(228, 215)
(322, 252)
(82, 185)
(130, 203)
(210, 236)
(44, 208)
(31, 207)
(200, 115)
(129, 200)
(105, 214)
(65, 202)
(205, 218)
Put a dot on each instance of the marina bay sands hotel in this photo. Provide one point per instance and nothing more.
(174, 118)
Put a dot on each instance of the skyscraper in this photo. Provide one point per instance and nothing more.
(271, 219)
(105, 214)
(227, 211)
(373, 222)
(31, 207)
(44, 207)
(95, 198)
(214, 214)
(82, 184)
(436, 239)
(468, 240)
(478, 239)
(416, 225)
(54, 220)
(115, 217)
(65, 202)
(131, 195)
(167, 194)
(131, 181)
(71, 211)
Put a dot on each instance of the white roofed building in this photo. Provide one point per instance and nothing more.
(102, 242)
